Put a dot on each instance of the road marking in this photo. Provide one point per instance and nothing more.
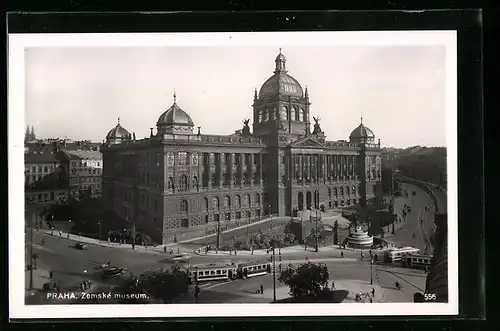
(209, 286)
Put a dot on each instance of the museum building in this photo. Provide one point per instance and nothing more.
(180, 178)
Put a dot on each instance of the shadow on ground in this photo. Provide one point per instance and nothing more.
(336, 296)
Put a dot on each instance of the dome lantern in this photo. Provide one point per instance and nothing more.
(281, 83)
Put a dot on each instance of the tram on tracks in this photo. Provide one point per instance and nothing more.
(416, 261)
(228, 272)
(397, 254)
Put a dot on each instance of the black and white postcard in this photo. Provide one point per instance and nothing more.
(236, 172)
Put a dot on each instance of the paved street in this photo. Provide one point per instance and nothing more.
(343, 273)
(423, 232)
(69, 264)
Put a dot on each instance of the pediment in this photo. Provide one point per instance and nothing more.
(308, 142)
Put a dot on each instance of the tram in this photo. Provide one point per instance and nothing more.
(228, 272)
(417, 261)
(212, 272)
(252, 269)
(397, 254)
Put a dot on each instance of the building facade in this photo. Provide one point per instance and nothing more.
(179, 178)
(84, 172)
(43, 177)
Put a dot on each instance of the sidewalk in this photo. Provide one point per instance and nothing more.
(159, 248)
(291, 250)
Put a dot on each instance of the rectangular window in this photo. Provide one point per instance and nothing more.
(182, 158)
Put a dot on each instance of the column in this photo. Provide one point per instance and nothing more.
(260, 170)
(250, 169)
(220, 170)
(230, 167)
(324, 168)
(242, 164)
(209, 171)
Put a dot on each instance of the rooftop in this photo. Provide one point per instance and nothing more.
(44, 156)
(79, 155)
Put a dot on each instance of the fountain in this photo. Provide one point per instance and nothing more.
(359, 239)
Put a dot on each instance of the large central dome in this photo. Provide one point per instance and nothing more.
(281, 83)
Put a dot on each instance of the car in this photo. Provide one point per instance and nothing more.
(80, 246)
(181, 258)
(111, 272)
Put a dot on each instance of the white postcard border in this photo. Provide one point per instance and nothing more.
(16, 124)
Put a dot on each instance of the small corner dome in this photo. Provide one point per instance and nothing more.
(362, 133)
(175, 116)
(118, 132)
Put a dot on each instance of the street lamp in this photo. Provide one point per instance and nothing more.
(371, 270)
(69, 227)
(270, 215)
(274, 275)
(99, 222)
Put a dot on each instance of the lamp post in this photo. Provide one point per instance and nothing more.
(99, 222)
(31, 254)
(69, 227)
(274, 275)
(316, 232)
(371, 270)
(270, 215)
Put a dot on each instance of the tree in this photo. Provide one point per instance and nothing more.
(163, 284)
(305, 280)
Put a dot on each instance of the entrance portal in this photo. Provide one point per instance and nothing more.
(301, 201)
(308, 200)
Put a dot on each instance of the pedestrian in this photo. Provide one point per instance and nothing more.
(164, 249)
(333, 285)
(261, 289)
(307, 258)
(279, 251)
(51, 274)
(43, 241)
(341, 255)
(60, 233)
(178, 250)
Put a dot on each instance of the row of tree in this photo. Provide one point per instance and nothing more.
(261, 240)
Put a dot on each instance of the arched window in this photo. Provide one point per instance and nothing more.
(354, 190)
(227, 202)
(260, 115)
(273, 114)
(347, 190)
(183, 183)
(301, 115)
(265, 114)
(195, 181)
(257, 199)
(238, 201)
(246, 201)
(205, 204)
(329, 193)
(341, 191)
(170, 183)
(293, 114)
(215, 203)
(284, 113)
(184, 206)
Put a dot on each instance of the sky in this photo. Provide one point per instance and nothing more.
(80, 92)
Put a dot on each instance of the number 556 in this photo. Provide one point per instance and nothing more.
(429, 296)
